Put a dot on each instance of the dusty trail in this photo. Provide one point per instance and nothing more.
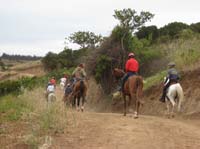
(113, 131)
(93, 130)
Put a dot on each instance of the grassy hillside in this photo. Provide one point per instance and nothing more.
(184, 52)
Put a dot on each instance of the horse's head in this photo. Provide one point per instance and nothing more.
(118, 73)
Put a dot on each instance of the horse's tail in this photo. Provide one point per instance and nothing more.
(139, 92)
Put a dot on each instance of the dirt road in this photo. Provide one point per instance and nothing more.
(114, 131)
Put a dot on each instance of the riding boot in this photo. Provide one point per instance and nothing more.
(162, 99)
(119, 86)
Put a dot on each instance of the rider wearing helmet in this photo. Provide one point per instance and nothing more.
(50, 89)
(172, 77)
(53, 81)
(131, 67)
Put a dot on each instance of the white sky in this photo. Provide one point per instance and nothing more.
(34, 27)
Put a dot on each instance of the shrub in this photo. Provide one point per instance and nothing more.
(102, 67)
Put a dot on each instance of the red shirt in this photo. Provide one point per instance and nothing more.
(132, 65)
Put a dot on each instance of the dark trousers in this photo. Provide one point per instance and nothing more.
(125, 78)
(162, 99)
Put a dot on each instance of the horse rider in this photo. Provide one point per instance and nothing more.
(172, 77)
(79, 73)
(131, 67)
(63, 80)
(50, 89)
(53, 81)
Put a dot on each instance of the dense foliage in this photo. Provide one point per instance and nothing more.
(20, 57)
(18, 86)
(65, 59)
(85, 39)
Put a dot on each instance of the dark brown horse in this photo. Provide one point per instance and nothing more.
(79, 93)
(133, 88)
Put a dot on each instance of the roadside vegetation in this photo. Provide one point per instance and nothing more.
(31, 108)
(23, 99)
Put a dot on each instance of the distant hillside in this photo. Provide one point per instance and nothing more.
(19, 57)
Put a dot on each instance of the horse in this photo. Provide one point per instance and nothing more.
(133, 88)
(51, 98)
(174, 96)
(79, 94)
(67, 98)
(62, 85)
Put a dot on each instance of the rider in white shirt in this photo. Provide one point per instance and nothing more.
(63, 80)
(50, 88)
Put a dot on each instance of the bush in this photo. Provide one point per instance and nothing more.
(13, 108)
(172, 29)
(186, 34)
(149, 32)
(102, 67)
(195, 27)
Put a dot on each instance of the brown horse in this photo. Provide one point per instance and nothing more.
(133, 88)
(79, 94)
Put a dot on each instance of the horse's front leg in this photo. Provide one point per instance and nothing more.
(168, 108)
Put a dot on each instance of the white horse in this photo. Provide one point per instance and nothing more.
(62, 85)
(51, 98)
(174, 96)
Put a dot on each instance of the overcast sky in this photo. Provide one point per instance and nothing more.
(34, 27)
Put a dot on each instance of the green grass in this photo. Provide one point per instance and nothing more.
(12, 108)
(183, 52)
(155, 79)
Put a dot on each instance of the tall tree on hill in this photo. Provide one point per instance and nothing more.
(130, 21)
(85, 39)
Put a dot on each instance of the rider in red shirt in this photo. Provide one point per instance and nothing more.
(53, 81)
(131, 67)
(132, 64)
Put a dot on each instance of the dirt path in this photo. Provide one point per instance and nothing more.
(108, 131)
(89, 130)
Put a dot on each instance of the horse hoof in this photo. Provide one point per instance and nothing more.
(82, 108)
(135, 115)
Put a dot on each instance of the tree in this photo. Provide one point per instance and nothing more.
(195, 27)
(66, 58)
(130, 21)
(173, 29)
(85, 39)
(148, 32)
(50, 61)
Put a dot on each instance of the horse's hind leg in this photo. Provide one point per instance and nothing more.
(173, 105)
(78, 103)
(137, 108)
(82, 103)
(124, 105)
(168, 108)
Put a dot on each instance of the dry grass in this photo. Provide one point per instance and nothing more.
(184, 52)
(26, 65)
(41, 121)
